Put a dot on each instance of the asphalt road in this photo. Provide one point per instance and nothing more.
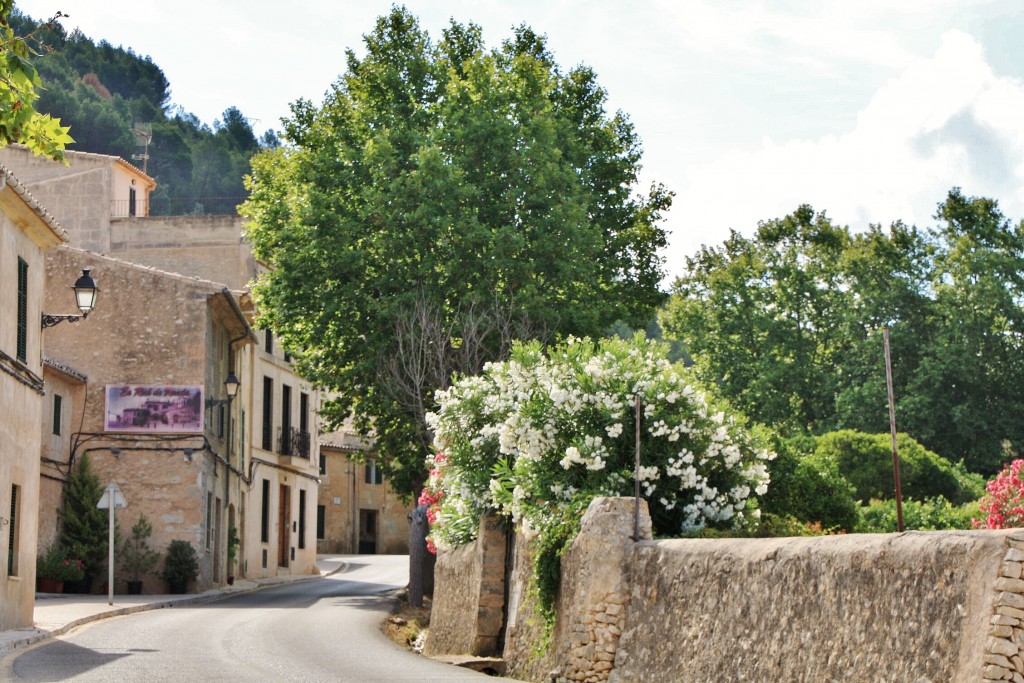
(327, 629)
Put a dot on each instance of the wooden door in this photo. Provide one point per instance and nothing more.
(284, 523)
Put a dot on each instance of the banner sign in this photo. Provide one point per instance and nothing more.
(154, 408)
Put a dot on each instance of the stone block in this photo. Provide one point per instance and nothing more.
(1010, 611)
(994, 672)
(1002, 646)
(1014, 554)
(1012, 570)
(999, 660)
(1004, 583)
(1010, 600)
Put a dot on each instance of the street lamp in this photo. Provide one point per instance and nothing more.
(85, 296)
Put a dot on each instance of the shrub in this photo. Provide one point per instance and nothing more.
(56, 564)
(181, 564)
(809, 490)
(931, 514)
(137, 557)
(1003, 503)
(537, 437)
(865, 460)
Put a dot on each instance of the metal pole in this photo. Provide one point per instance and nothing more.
(110, 543)
(636, 476)
(892, 430)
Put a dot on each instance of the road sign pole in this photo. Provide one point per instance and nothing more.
(110, 543)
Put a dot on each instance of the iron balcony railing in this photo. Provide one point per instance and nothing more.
(293, 442)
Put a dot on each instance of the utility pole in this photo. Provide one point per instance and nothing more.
(892, 430)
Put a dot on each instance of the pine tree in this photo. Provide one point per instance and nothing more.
(84, 527)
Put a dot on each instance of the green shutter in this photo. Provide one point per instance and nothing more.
(13, 533)
(22, 310)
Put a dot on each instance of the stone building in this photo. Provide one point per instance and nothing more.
(152, 361)
(26, 232)
(89, 196)
(357, 512)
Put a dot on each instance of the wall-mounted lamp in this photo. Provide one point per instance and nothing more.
(85, 296)
(116, 452)
(231, 385)
(189, 453)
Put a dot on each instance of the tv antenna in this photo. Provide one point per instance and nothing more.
(144, 131)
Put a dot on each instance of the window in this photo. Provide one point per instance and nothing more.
(58, 400)
(286, 420)
(321, 517)
(209, 520)
(268, 341)
(323, 464)
(373, 474)
(302, 519)
(241, 439)
(131, 201)
(268, 414)
(221, 416)
(303, 412)
(22, 310)
(265, 515)
(13, 535)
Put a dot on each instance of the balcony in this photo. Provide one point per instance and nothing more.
(293, 447)
(124, 208)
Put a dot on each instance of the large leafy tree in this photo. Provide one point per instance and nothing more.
(445, 200)
(20, 122)
(788, 322)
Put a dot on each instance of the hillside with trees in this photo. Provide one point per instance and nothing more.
(118, 103)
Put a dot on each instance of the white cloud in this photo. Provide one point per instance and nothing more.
(945, 121)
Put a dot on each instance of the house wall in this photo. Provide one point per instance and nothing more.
(209, 247)
(272, 543)
(936, 606)
(22, 235)
(78, 195)
(152, 328)
(344, 491)
(56, 447)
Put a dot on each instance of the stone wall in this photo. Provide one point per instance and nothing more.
(918, 606)
(469, 590)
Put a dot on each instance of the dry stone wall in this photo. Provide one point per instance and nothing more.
(916, 607)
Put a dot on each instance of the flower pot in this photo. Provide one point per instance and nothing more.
(82, 586)
(177, 587)
(48, 585)
(134, 588)
(231, 581)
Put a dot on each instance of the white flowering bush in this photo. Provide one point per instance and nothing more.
(539, 435)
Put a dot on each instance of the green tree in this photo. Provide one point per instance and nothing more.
(761, 317)
(964, 399)
(20, 121)
(84, 528)
(443, 201)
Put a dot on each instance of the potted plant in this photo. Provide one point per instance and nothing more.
(137, 558)
(233, 542)
(181, 565)
(54, 567)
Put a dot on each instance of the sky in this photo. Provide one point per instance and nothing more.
(869, 110)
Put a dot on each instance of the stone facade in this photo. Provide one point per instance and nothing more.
(207, 247)
(154, 328)
(86, 194)
(918, 606)
(359, 511)
(266, 489)
(26, 233)
(62, 415)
